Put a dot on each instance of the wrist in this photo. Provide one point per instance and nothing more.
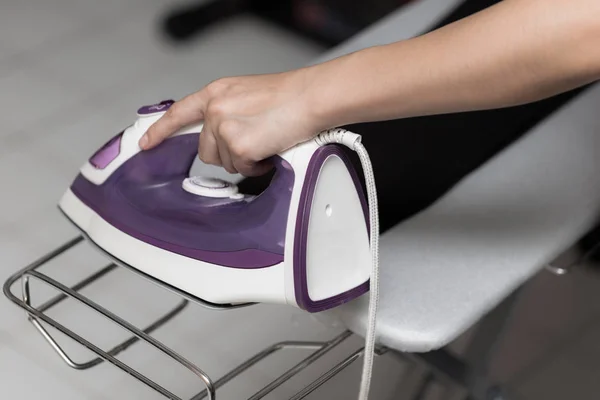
(328, 93)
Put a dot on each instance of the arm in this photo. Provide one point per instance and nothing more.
(515, 52)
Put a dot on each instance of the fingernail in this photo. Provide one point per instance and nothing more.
(144, 141)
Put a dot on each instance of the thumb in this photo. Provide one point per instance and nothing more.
(188, 110)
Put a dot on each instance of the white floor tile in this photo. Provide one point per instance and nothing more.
(29, 185)
(4, 54)
(243, 45)
(32, 94)
(17, 252)
(129, 60)
(104, 62)
(33, 378)
(69, 143)
(116, 10)
(30, 24)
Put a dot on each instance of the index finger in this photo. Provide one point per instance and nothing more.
(188, 110)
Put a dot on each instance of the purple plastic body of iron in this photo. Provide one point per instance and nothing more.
(144, 198)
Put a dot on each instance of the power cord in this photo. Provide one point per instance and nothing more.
(353, 141)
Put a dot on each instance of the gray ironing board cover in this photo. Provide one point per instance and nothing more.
(446, 267)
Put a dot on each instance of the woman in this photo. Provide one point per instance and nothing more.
(515, 52)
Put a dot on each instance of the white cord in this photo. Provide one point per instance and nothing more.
(353, 141)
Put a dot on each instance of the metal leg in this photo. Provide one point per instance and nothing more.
(424, 387)
(481, 348)
(450, 369)
(572, 258)
(415, 381)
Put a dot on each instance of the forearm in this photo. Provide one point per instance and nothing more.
(515, 52)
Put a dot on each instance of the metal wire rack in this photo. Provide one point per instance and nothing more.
(37, 315)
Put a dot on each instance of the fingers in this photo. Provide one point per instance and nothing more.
(224, 155)
(214, 149)
(227, 134)
(208, 150)
(188, 110)
(249, 169)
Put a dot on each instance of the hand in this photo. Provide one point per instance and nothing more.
(247, 119)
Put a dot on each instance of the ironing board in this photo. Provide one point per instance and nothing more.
(448, 266)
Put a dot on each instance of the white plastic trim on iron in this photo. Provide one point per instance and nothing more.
(299, 158)
(336, 221)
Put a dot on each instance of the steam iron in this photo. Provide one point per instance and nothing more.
(304, 241)
(309, 240)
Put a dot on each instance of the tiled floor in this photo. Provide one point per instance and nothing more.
(73, 72)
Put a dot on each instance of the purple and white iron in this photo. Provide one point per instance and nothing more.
(304, 241)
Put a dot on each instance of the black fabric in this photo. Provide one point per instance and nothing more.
(417, 160)
(590, 245)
